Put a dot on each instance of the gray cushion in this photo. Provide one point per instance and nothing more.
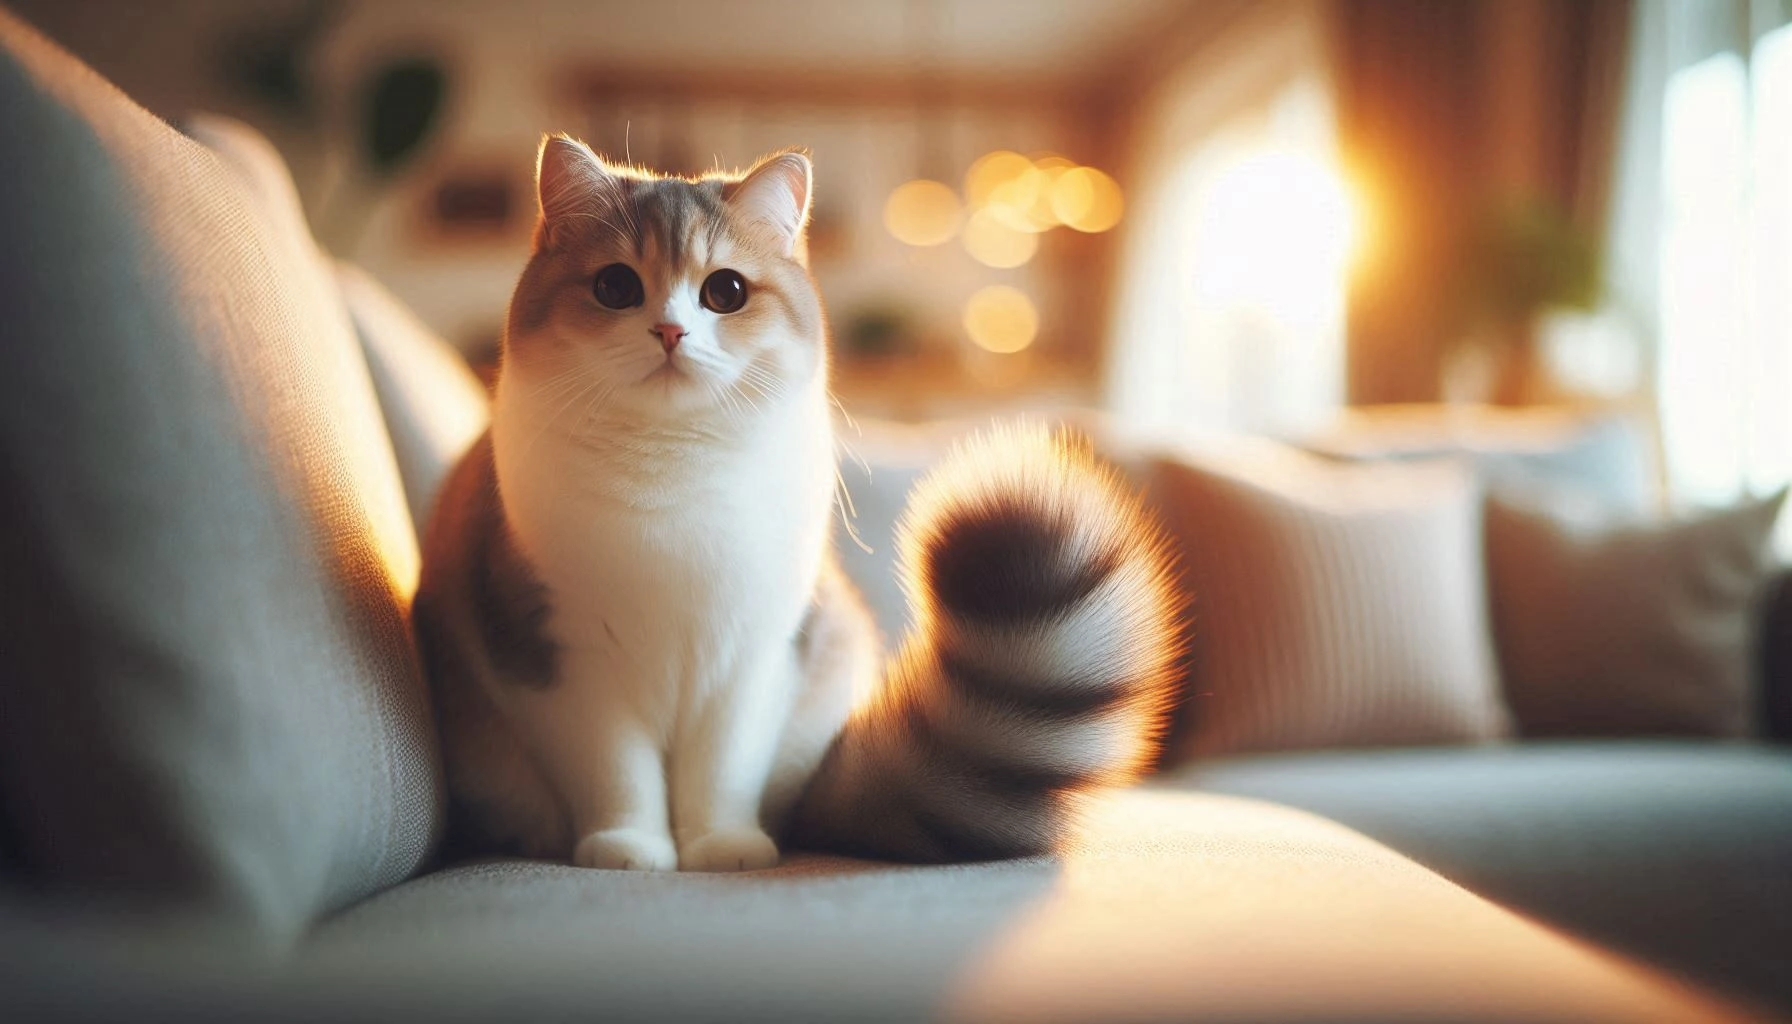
(876, 474)
(434, 407)
(1628, 629)
(1679, 852)
(1171, 906)
(211, 699)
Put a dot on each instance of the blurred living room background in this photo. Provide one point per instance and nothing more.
(1219, 216)
(1451, 340)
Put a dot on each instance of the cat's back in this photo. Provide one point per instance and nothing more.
(480, 604)
(480, 622)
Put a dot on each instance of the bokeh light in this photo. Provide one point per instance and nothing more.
(1001, 319)
(1087, 200)
(1051, 167)
(1005, 194)
(1017, 202)
(992, 242)
(923, 212)
(990, 172)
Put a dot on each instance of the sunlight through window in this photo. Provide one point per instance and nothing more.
(1726, 275)
(1234, 306)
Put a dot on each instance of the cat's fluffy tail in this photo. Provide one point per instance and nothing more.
(1042, 662)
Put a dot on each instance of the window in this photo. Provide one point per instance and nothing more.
(1234, 309)
(1725, 264)
(1229, 314)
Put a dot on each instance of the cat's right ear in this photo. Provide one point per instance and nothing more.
(569, 178)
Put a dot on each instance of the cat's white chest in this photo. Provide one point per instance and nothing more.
(672, 573)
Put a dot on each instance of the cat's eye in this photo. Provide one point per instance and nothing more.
(724, 292)
(618, 287)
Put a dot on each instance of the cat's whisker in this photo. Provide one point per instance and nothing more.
(750, 380)
(560, 385)
(764, 382)
(724, 395)
(559, 412)
(853, 453)
(845, 416)
(848, 513)
(595, 403)
(752, 402)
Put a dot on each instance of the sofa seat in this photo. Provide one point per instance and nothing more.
(1172, 906)
(1676, 852)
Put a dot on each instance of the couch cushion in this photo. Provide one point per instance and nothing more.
(1333, 605)
(1678, 852)
(1171, 906)
(435, 408)
(1628, 629)
(211, 698)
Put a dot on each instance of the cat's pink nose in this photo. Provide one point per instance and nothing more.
(670, 335)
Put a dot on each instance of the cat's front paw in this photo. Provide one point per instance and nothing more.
(626, 849)
(737, 849)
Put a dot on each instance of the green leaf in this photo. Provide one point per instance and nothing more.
(404, 102)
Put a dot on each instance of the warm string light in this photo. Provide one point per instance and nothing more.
(923, 212)
(1000, 319)
(993, 242)
(1009, 200)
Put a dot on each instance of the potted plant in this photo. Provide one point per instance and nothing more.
(1524, 259)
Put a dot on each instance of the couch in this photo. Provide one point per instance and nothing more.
(220, 791)
(1675, 850)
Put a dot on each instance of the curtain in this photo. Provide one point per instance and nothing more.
(1446, 110)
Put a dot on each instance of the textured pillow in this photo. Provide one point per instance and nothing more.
(1334, 605)
(435, 408)
(210, 701)
(1627, 630)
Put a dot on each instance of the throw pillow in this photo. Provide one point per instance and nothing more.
(211, 699)
(435, 408)
(1334, 605)
(1637, 629)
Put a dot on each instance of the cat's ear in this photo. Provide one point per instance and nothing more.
(569, 177)
(775, 193)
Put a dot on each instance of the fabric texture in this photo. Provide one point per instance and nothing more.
(1169, 906)
(879, 465)
(1628, 630)
(1332, 605)
(434, 406)
(211, 700)
(1675, 852)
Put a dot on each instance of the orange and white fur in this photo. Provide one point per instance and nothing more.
(642, 652)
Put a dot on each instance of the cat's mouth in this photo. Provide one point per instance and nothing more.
(672, 370)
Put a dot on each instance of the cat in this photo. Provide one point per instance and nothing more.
(642, 652)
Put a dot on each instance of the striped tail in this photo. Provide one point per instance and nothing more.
(1042, 663)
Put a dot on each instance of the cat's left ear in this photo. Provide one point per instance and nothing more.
(775, 193)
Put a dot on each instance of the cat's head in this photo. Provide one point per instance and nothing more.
(666, 297)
